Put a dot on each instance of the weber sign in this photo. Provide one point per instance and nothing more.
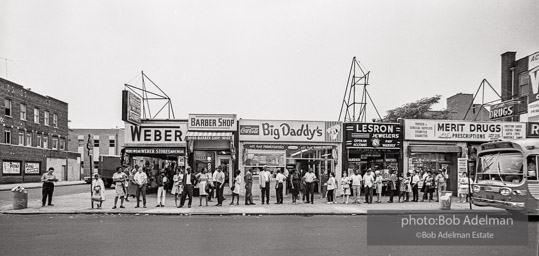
(156, 133)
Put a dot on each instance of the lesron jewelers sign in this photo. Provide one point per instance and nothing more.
(443, 130)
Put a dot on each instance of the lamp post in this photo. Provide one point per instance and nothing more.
(90, 148)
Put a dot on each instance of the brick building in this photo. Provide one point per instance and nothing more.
(519, 84)
(458, 105)
(109, 142)
(33, 136)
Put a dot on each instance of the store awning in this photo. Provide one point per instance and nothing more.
(435, 149)
(209, 135)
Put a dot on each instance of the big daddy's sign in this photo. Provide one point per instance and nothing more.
(275, 130)
(444, 130)
(372, 135)
(156, 133)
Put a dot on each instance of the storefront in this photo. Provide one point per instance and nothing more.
(432, 145)
(372, 145)
(211, 142)
(155, 145)
(299, 145)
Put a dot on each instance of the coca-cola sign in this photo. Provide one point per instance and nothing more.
(249, 130)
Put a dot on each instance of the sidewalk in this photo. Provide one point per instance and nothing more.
(6, 187)
(80, 204)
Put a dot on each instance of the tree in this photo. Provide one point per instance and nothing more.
(420, 109)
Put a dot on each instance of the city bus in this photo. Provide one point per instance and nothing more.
(506, 176)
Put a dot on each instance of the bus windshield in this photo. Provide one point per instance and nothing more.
(501, 167)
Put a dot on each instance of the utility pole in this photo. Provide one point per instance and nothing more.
(6, 60)
(90, 147)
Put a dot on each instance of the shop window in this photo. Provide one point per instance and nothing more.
(23, 112)
(7, 136)
(7, 107)
(36, 115)
(29, 139)
(46, 118)
(55, 120)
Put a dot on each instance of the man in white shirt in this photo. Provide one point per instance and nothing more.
(356, 185)
(310, 179)
(141, 179)
(368, 180)
(264, 178)
(219, 178)
(48, 180)
(415, 186)
(280, 180)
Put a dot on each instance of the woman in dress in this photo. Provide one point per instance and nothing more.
(403, 187)
(296, 184)
(463, 188)
(332, 185)
(119, 179)
(202, 178)
(177, 186)
(345, 185)
(378, 184)
(98, 190)
(132, 187)
(237, 187)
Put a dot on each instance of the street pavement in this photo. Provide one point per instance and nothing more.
(34, 192)
(213, 235)
(80, 203)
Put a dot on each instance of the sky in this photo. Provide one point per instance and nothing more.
(281, 59)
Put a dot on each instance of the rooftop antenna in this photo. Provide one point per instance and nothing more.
(6, 60)
(351, 110)
(148, 96)
(481, 87)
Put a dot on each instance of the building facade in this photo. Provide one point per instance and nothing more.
(33, 136)
(299, 145)
(520, 87)
(434, 145)
(105, 142)
(461, 107)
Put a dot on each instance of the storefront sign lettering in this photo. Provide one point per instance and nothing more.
(373, 135)
(436, 130)
(154, 151)
(285, 130)
(532, 130)
(11, 167)
(131, 106)
(212, 122)
(501, 110)
(270, 130)
(150, 133)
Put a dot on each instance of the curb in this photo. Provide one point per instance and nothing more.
(56, 185)
(373, 212)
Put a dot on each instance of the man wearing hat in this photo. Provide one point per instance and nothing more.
(189, 182)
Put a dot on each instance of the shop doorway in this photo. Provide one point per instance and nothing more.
(318, 166)
(225, 162)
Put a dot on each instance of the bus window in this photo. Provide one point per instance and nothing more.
(503, 167)
(532, 167)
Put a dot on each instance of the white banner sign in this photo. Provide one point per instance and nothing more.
(441, 130)
(462, 165)
(212, 122)
(305, 131)
(156, 133)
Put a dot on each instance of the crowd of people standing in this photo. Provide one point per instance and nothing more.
(420, 186)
